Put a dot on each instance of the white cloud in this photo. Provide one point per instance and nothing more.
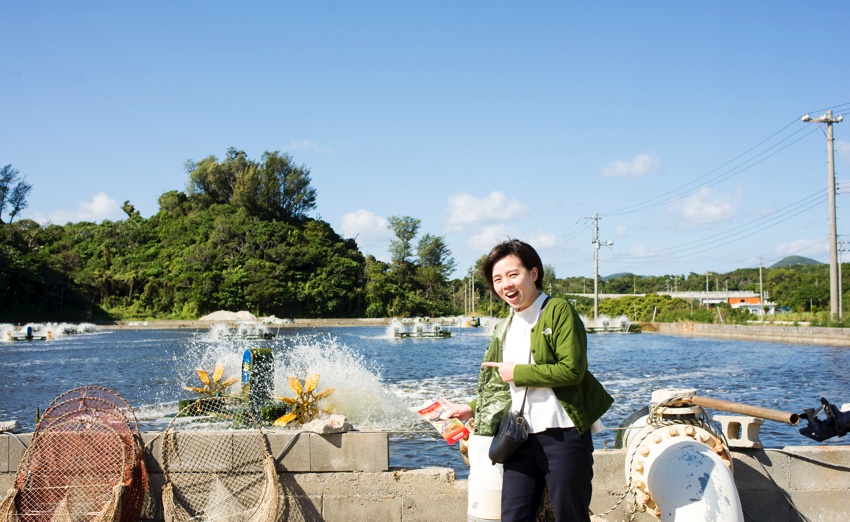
(642, 251)
(802, 247)
(842, 148)
(465, 212)
(704, 209)
(370, 230)
(634, 168)
(307, 144)
(488, 236)
(101, 207)
(621, 231)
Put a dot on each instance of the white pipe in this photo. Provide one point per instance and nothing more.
(689, 482)
(485, 482)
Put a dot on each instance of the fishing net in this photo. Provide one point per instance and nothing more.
(117, 413)
(72, 459)
(217, 466)
(94, 397)
(74, 471)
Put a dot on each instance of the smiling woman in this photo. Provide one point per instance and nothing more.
(536, 366)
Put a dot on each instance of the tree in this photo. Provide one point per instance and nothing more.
(13, 197)
(274, 188)
(129, 209)
(549, 279)
(215, 181)
(405, 229)
(435, 254)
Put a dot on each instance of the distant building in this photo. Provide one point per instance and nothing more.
(749, 301)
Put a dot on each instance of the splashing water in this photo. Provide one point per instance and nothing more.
(360, 395)
(40, 329)
(604, 323)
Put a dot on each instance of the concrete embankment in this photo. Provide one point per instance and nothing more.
(774, 333)
(346, 477)
(203, 325)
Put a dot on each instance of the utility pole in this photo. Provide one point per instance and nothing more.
(472, 291)
(676, 284)
(761, 291)
(596, 218)
(840, 281)
(706, 289)
(833, 238)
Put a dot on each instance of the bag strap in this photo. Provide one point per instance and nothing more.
(524, 395)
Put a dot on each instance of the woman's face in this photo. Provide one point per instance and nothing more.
(514, 283)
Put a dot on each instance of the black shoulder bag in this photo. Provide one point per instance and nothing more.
(511, 434)
(513, 430)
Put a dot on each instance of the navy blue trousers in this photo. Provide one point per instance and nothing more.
(559, 458)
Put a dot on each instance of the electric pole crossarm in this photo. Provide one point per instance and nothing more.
(596, 218)
(834, 305)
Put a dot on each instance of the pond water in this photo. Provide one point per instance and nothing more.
(378, 378)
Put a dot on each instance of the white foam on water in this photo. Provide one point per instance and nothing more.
(6, 327)
(358, 393)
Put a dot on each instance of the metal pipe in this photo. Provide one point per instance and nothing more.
(745, 409)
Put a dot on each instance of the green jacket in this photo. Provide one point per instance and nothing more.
(559, 348)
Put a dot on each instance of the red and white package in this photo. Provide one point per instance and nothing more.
(451, 429)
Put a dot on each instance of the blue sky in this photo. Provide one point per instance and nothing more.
(484, 120)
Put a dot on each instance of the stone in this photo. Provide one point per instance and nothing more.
(352, 451)
(749, 467)
(297, 454)
(301, 508)
(334, 424)
(18, 445)
(434, 507)
(741, 431)
(345, 509)
(9, 425)
(810, 475)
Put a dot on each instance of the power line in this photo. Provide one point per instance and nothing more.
(796, 120)
(714, 247)
(718, 179)
(759, 223)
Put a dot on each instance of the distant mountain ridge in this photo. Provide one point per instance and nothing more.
(795, 260)
(616, 276)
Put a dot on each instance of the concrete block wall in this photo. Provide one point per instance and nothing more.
(774, 333)
(346, 477)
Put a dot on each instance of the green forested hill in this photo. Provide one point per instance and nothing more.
(238, 240)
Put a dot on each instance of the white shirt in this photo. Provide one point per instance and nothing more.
(542, 408)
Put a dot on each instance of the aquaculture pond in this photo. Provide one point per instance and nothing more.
(378, 378)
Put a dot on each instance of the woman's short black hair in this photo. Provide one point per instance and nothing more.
(513, 247)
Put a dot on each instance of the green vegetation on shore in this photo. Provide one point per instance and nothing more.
(239, 238)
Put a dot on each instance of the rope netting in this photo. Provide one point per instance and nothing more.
(85, 463)
(116, 412)
(217, 466)
(74, 471)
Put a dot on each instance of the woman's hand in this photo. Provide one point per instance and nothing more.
(506, 369)
(458, 411)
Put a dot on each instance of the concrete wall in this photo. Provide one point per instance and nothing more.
(781, 334)
(204, 325)
(347, 477)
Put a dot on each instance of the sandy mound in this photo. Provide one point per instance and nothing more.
(223, 315)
